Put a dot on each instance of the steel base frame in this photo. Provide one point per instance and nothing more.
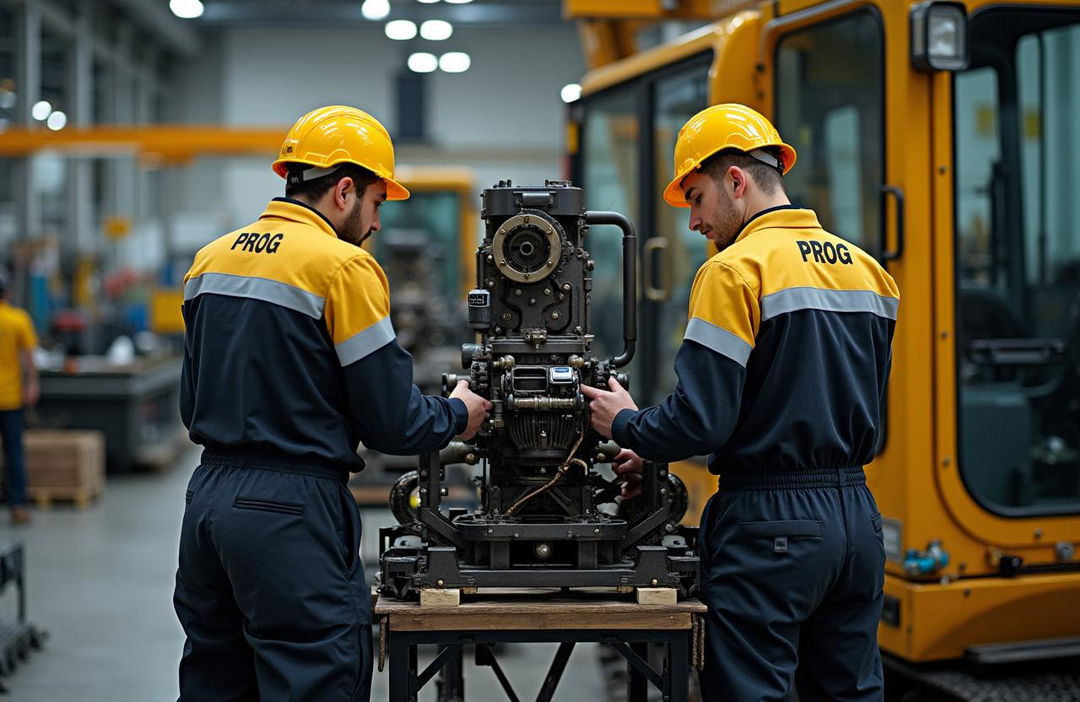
(406, 679)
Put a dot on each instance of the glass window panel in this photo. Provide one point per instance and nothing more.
(830, 104)
(611, 182)
(677, 98)
(1018, 261)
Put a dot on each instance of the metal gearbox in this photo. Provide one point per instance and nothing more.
(547, 517)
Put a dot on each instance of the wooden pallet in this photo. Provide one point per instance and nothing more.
(80, 497)
(450, 597)
(67, 466)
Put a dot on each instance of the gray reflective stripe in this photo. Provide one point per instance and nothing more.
(794, 299)
(719, 340)
(366, 342)
(264, 289)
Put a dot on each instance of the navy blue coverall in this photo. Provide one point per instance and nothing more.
(782, 375)
(289, 362)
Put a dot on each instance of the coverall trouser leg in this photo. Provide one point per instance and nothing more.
(270, 590)
(11, 434)
(793, 580)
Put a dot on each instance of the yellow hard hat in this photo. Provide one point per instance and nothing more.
(329, 136)
(727, 126)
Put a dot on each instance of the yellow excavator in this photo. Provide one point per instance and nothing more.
(943, 138)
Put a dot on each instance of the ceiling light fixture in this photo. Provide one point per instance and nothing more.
(186, 9)
(375, 9)
(455, 62)
(57, 121)
(458, 2)
(401, 30)
(436, 30)
(40, 111)
(570, 92)
(423, 62)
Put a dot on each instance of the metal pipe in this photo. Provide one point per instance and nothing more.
(629, 281)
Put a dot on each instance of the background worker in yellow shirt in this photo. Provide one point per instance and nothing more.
(17, 341)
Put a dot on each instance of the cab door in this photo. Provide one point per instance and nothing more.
(1008, 289)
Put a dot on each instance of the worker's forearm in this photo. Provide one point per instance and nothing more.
(391, 413)
(696, 419)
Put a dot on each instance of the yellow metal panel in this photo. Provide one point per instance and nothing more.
(700, 486)
(163, 141)
(686, 46)
(655, 9)
(940, 621)
(733, 76)
(165, 314)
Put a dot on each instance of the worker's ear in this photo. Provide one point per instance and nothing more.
(343, 190)
(738, 181)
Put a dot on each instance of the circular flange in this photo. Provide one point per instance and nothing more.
(527, 248)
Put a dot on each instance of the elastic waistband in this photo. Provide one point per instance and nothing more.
(792, 479)
(280, 462)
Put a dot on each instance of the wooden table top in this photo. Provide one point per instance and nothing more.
(516, 610)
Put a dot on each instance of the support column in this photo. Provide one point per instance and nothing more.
(28, 88)
(83, 230)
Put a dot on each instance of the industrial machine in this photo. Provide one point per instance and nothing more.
(547, 516)
(942, 138)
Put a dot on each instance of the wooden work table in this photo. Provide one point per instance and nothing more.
(538, 616)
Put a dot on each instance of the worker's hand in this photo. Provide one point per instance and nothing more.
(629, 467)
(31, 394)
(478, 408)
(603, 405)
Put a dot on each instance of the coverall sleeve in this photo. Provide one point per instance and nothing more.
(700, 415)
(390, 412)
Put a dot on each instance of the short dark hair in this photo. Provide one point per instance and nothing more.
(315, 188)
(767, 177)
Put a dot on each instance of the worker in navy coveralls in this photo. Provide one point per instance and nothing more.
(781, 380)
(289, 362)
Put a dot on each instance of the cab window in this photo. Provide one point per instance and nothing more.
(830, 107)
(611, 180)
(677, 97)
(1017, 146)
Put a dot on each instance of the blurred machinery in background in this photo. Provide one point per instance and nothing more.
(942, 138)
(425, 246)
(541, 521)
(113, 334)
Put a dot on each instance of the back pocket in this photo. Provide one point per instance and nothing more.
(780, 532)
(268, 506)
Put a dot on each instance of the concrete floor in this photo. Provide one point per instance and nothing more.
(100, 583)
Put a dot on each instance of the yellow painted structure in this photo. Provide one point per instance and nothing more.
(916, 477)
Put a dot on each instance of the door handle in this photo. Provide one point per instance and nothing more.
(651, 252)
(895, 254)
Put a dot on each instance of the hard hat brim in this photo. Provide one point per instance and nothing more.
(395, 190)
(673, 193)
